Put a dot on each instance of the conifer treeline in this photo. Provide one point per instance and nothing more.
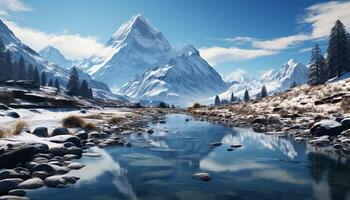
(337, 61)
(18, 70)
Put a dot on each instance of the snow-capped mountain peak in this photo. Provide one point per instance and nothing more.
(138, 28)
(137, 47)
(54, 55)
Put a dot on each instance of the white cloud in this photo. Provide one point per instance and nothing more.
(13, 6)
(73, 46)
(305, 50)
(216, 55)
(235, 75)
(320, 17)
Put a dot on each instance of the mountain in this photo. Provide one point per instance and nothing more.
(18, 49)
(277, 80)
(54, 55)
(186, 78)
(52, 69)
(135, 47)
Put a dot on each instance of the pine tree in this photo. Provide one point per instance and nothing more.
(338, 60)
(91, 94)
(3, 66)
(50, 84)
(263, 92)
(246, 96)
(21, 69)
(43, 78)
(73, 84)
(36, 78)
(57, 84)
(217, 100)
(84, 89)
(10, 69)
(233, 98)
(317, 67)
(30, 72)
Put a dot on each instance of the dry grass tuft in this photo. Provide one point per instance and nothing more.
(93, 116)
(15, 129)
(18, 127)
(345, 104)
(116, 120)
(73, 122)
(90, 126)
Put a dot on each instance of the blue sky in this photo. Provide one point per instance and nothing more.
(236, 37)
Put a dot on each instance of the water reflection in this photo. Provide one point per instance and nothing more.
(161, 165)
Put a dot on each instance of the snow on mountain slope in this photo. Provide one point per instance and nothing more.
(136, 46)
(19, 49)
(274, 80)
(185, 79)
(54, 55)
(52, 69)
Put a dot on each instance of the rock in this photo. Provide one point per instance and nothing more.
(13, 197)
(13, 114)
(44, 167)
(9, 184)
(299, 139)
(11, 173)
(32, 183)
(3, 107)
(326, 127)
(70, 157)
(91, 154)
(60, 131)
(346, 133)
(40, 160)
(202, 176)
(17, 192)
(150, 131)
(216, 144)
(345, 123)
(58, 151)
(337, 146)
(236, 145)
(82, 135)
(41, 132)
(30, 164)
(74, 150)
(40, 174)
(60, 181)
(259, 120)
(21, 154)
(321, 141)
(75, 166)
(66, 138)
(229, 149)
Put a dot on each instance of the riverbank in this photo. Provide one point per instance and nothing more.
(49, 143)
(319, 115)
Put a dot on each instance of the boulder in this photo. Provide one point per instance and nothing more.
(66, 138)
(13, 114)
(202, 176)
(326, 127)
(216, 144)
(11, 173)
(60, 131)
(75, 166)
(13, 197)
(58, 151)
(9, 184)
(60, 181)
(41, 132)
(21, 154)
(74, 150)
(345, 123)
(44, 167)
(3, 107)
(17, 192)
(40, 174)
(32, 183)
(82, 135)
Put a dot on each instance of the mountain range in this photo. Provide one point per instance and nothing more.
(142, 64)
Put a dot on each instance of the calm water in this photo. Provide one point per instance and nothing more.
(161, 165)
